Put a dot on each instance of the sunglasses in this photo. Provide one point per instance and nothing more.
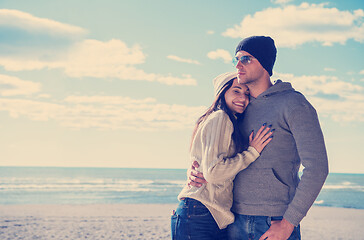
(245, 60)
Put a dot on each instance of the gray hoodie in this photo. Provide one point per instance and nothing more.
(271, 185)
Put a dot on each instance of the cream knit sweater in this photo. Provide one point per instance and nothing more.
(211, 148)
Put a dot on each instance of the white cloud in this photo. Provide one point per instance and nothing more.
(350, 110)
(170, 80)
(361, 72)
(184, 60)
(107, 100)
(220, 53)
(329, 69)
(332, 97)
(330, 85)
(291, 25)
(106, 112)
(77, 57)
(43, 95)
(13, 86)
(93, 58)
(281, 2)
(210, 32)
(21, 20)
(34, 110)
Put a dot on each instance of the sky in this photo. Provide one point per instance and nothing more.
(120, 83)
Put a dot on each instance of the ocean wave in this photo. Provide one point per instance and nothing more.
(71, 181)
(344, 185)
(169, 183)
(86, 185)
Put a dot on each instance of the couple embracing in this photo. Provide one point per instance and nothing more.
(246, 151)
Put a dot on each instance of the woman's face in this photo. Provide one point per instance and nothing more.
(237, 97)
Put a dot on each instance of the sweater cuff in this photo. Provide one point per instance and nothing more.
(253, 151)
(293, 216)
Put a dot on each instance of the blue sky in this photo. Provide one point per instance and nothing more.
(121, 83)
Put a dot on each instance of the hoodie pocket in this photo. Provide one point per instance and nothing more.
(260, 186)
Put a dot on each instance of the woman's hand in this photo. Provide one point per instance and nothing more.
(262, 138)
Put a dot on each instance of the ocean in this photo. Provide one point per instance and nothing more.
(57, 185)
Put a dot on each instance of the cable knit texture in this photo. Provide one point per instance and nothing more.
(212, 148)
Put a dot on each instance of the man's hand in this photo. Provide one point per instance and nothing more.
(279, 230)
(194, 177)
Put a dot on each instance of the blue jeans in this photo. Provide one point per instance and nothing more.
(192, 220)
(247, 227)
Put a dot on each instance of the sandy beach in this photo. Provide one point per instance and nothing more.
(144, 221)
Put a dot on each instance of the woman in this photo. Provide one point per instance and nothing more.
(204, 213)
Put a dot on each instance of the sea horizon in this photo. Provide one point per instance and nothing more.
(105, 185)
(156, 168)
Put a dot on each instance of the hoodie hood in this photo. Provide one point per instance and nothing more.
(278, 87)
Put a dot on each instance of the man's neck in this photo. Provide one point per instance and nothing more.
(257, 88)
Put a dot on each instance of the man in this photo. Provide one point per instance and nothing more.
(269, 198)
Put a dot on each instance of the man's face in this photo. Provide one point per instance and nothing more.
(249, 71)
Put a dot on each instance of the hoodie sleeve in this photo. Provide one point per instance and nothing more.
(215, 142)
(306, 130)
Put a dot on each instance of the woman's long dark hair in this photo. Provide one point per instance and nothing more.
(220, 104)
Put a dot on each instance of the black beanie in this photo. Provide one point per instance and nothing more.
(262, 48)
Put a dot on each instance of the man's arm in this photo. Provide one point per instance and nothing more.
(306, 130)
(194, 177)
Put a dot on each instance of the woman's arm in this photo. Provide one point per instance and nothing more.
(216, 139)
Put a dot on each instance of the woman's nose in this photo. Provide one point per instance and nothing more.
(243, 97)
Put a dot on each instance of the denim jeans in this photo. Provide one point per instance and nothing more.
(247, 227)
(192, 220)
